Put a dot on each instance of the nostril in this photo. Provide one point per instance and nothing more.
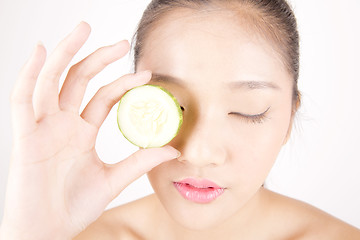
(182, 108)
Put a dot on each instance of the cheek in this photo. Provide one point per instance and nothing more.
(255, 147)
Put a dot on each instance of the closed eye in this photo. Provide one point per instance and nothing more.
(256, 118)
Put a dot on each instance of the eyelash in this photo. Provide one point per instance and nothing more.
(254, 119)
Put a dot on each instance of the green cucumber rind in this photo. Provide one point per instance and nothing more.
(176, 104)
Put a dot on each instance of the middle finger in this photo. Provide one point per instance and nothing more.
(75, 84)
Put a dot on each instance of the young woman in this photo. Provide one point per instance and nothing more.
(233, 66)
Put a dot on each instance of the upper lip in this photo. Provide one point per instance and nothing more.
(199, 183)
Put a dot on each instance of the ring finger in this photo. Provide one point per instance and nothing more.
(46, 92)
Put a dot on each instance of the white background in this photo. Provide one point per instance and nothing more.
(320, 164)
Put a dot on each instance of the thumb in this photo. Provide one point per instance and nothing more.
(121, 174)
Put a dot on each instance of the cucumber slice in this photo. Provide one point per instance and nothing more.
(149, 116)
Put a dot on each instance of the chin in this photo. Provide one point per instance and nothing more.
(197, 222)
(198, 216)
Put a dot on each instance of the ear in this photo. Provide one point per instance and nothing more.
(295, 108)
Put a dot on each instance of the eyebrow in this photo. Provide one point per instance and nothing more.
(254, 85)
(161, 78)
(250, 85)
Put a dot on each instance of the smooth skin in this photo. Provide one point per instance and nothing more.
(58, 187)
(57, 184)
(198, 57)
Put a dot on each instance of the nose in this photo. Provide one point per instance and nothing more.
(204, 146)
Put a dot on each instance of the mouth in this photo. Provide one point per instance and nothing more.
(198, 190)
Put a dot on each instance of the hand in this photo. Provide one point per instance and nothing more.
(57, 184)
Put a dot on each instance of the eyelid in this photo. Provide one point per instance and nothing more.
(256, 118)
(249, 115)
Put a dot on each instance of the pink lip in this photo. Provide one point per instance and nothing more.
(198, 190)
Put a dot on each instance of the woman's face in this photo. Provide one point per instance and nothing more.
(237, 100)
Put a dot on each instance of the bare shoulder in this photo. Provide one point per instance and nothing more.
(306, 222)
(126, 222)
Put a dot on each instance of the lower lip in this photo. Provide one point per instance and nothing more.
(198, 195)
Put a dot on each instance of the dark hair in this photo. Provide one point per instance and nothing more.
(273, 19)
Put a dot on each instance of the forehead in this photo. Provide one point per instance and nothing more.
(209, 45)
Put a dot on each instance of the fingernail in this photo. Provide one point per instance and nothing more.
(121, 43)
(79, 26)
(39, 43)
(81, 23)
(36, 48)
(144, 72)
(176, 152)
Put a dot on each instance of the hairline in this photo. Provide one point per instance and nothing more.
(246, 15)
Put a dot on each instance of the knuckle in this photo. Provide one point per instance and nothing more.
(50, 74)
(102, 91)
(104, 96)
(79, 73)
(101, 49)
(126, 82)
(137, 159)
(74, 68)
(102, 58)
(86, 69)
(111, 93)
